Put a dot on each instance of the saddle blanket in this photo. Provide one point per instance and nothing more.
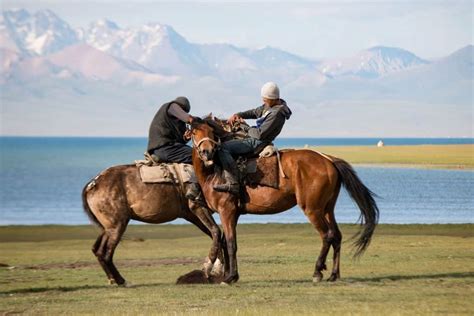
(167, 173)
(263, 171)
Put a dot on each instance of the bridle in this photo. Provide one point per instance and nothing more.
(204, 139)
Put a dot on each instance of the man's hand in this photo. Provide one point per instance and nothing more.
(234, 118)
(187, 135)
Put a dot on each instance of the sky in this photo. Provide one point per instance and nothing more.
(314, 29)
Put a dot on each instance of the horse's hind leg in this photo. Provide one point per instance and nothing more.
(113, 238)
(98, 250)
(319, 222)
(335, 237)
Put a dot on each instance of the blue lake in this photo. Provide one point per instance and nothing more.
(41, 181)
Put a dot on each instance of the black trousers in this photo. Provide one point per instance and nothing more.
(176, 152)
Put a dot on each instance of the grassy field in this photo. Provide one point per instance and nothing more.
(427, 156)
(408, 269)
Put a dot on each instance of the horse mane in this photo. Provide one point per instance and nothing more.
(217, 127)
(221, 129)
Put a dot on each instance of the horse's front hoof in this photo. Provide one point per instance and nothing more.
(207, 268)
(231, 279)
(217, 269)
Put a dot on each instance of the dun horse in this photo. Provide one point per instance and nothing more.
(117, 195)
(312, 181)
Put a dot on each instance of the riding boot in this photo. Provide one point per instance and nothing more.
(231, 185)
(194, 193)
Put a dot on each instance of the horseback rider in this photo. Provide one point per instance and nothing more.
(271, 117)
(167, 137)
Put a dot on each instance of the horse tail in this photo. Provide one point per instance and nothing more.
(86, 206)
(364, 198)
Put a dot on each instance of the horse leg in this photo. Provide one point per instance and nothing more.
(229, 223)
(98, 250)
(226, 255)
(202, 218)
(336, 241)
(113, 238)
(319, 222)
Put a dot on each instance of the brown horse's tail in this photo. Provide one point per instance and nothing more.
(85, 205)
(364, 198)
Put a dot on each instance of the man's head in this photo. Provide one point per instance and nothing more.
(270, 93)
(183, 102)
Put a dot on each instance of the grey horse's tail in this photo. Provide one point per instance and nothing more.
(85, 205)
(364, 198)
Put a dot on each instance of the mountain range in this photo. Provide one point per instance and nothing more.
(106, 80)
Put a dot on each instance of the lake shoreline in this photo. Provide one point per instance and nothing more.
(36, 233)
(451, 157)
(414, 166)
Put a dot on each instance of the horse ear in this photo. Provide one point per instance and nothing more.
(207, 116)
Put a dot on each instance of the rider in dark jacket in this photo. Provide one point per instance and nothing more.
(167, 137)
(271, 117)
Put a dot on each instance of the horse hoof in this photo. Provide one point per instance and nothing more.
(318, 278)
(231, 279)
(121, 284)
(333, 278)
(224, 283)
(207, 268)
(217, 269)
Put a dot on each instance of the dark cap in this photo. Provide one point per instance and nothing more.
(184, 103)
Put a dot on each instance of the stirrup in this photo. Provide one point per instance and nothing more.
(199, 199)
(227, 187)
(194, 193)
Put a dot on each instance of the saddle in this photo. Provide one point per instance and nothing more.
(259, 171)
(152, 171)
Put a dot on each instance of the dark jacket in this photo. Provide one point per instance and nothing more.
(270, 121)
(165, 129)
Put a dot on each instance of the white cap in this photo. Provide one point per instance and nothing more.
(270, 91)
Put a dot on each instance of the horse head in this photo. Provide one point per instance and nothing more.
(205, 140)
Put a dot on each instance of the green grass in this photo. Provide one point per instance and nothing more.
(429, 156)
(408, 269)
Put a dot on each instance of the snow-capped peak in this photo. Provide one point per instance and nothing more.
(372, 63)
(105, 23)
(16, 15)
(38, 34)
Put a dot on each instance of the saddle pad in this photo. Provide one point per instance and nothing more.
(263, 171)
(167, 173)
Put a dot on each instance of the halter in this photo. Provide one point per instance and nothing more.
(204, 139)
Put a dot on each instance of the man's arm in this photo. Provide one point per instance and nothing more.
(270, 127)
(250, 114)
(176, 111)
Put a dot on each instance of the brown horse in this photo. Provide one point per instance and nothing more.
(118, 194)
(312, 181)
